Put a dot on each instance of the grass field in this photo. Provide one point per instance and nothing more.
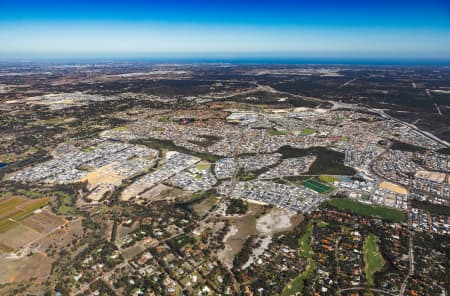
(120, 128)
(165, 119)
(65, 206)
(305, 250)
(203, 167)
(18, 208)
(307, 132)
(327, 179)
(316, 186)
(277, 133)
(372, 257)
(368, 210)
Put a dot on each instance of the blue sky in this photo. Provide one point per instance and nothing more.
(379, 29)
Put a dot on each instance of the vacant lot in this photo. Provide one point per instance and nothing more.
(44, 221)
(368, 210)
(18, 235)
(22, 269)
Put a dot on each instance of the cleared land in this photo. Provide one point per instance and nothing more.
(372, 257)
(368, 210)
(393, 187)
(37, 266)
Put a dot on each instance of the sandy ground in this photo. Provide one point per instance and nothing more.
(15, 270)
(226, 255)
(277, 220)
(241, 227)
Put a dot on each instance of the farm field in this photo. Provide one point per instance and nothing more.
(368, 210)
(316, 186)
(22, 221)
(14, 209)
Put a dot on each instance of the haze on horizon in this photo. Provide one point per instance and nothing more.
(348, 29)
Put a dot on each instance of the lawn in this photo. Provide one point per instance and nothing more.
(327, 179)
(307, 132)
(277, 133)
(372, 257)
(368, 210)
(165, 119)
(120, 128)
(203, 167)
(316, 186)
(305, 250)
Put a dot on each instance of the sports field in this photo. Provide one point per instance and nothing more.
(316, 186)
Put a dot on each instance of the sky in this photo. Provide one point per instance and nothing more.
(177, 28)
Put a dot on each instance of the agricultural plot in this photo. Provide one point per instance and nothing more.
(15, 209)
(316, 186)
(22, 221)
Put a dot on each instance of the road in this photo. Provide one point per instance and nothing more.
(411, 263)
(367, 289)
(346, 83)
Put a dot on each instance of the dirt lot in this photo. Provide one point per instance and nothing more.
(241, 228)
(22, 269)
(19, 235)
(274, 221)
(44, 221)
(61, 237)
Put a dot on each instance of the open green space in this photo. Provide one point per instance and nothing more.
(305, 250)
(29, 193)
(316, 186)
(120, 128)
(88, 149)
(307, 132)
(372, 257)
(273, 132)
(165, 119)
(65, 203)
(203, 167)
(368, 210)
(327, 179)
